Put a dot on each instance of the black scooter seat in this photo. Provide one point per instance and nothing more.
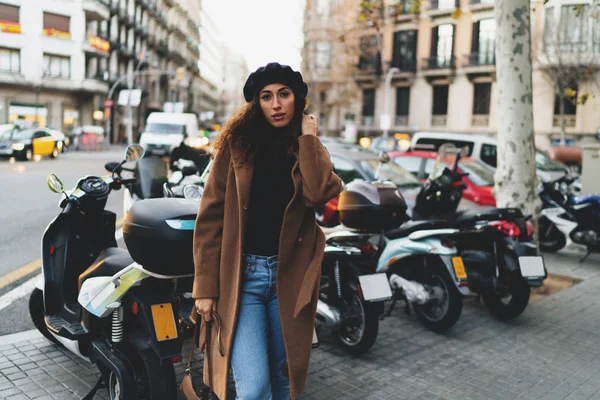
(109, 262)
(413, 226)
(465, 217)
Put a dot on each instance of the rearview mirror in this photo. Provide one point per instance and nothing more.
(134, 152)
(55, 184)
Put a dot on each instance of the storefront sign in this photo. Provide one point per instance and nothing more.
(99, 43)
(9, 27)
(56, 33)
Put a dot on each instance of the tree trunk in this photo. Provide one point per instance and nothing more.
(516, 180)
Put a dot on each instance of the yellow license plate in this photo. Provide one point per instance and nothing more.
(459, 268)
(164, 322)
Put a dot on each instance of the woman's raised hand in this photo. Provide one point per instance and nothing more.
(310, 124)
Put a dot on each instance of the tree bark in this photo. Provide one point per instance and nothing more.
(516, 180)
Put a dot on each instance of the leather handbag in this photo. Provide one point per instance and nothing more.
(187, 385)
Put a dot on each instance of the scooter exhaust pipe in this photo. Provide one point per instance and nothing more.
(414, 292)
(327, 315)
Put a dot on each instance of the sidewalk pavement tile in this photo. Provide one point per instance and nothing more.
(549, 353)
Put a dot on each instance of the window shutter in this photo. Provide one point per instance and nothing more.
(434, 41)
(9, 13)
(475, 38)
(57, 22)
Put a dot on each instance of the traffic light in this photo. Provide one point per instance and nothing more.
(180, 72)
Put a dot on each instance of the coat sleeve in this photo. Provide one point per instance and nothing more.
(319, 183)
(208, 229)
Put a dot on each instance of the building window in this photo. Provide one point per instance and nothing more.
(405, 50)
(368, 106)
(57, 66)
(444, 4)
(402, 105)
(440, 105)
(9, 19)
(442, 47)
(57, 25)
(573, 27)
(569, 109)
(10, 60)
(320, 57)
(481, 103)
(370, 59)
(483, 45)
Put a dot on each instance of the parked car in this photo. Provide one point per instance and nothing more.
(27, 143)
(388, 144)
(484, 148)
(479, 182)
(352, 162)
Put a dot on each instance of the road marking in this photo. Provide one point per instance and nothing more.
(20, 291)
(25, 288)
(37, 264)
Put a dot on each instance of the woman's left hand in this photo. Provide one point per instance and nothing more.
(310, 124)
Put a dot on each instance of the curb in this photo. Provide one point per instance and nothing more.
(20, 337)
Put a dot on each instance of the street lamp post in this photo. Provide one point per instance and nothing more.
(387, 122)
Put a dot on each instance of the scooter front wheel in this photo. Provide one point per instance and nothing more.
(551, 239)
(443, 311)
(36, 312)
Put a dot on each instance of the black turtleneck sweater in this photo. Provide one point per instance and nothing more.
(272, 190)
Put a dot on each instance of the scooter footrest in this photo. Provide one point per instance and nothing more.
(62, 327)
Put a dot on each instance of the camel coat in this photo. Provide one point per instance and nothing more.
(218, 254)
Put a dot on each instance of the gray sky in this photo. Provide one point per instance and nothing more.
(260, 30)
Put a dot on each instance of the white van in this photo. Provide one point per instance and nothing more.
(165, 131)
(484, 148)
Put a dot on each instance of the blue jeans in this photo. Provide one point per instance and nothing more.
(258, 356)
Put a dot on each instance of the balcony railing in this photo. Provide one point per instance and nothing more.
(477, 59)
(368, 120)
(439, 62)
(405, 65)
(570, 121)
(480, 120)
(439, 120)
(401, 120)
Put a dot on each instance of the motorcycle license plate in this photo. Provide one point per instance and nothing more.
(532, 267)
(459, 268)
(164, 322)
(375, 287)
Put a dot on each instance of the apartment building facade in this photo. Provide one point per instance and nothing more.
(59, 59)
(444, 76)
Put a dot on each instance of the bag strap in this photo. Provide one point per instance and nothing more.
(216, 318)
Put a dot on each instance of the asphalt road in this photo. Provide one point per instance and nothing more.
(27, 206)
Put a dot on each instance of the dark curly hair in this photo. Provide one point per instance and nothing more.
(249, 130)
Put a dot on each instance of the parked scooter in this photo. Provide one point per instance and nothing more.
(113, 307)
(567, 218)
(500, 256)
(421, 265)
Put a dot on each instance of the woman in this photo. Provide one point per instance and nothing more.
(257, 248)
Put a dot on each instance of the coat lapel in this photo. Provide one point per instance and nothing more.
(243, 177)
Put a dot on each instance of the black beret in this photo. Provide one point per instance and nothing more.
(274, 73)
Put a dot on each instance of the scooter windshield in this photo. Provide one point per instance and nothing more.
(447, 155)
